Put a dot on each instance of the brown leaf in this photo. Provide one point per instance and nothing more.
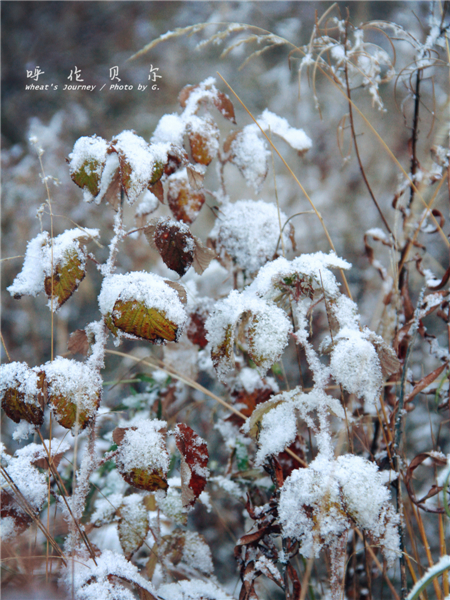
(194, 460)
(230, 138)
(224, 105)
(158, 190)
(17, 406)
(184, 202)
(42, 463)
(203, 141)
(195, 178)
(180, 290)
(425, 381)
(67, 276)
(196, 331)
(119, 434)
(112, 195)
(176, 158)
(10, 508)
(175, 244)
(185, 93)
(66, 411)
(202, 256)
(78, 342)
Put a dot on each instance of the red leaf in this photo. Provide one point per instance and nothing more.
(194, 460)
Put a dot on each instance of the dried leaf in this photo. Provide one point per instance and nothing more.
(10, 508)
(196, 331)
(180, 290)
(425, 382)
(133, 524)
(158, 190)
(203, 137)
(17, 406)
(257, 415)
(176, 158)
(230, 138)
(184, 202)
(195, 177)
(66, 411)
(113, 193)
(78, 342)
(183, 96)
(175, 244)
(224, 105)
(202, 256)
(137, 319)
(194, 460)
(67, 276)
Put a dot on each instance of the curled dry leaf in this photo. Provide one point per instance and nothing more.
(194, 460)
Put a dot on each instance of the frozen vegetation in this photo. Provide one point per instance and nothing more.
(240, 389)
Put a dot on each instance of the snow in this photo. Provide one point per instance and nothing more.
(18, 376)
(355, 365)
(141, 158)
(147, 205)
(296, 138)
(42, 257)
(195, 589)
(248, 231)
(91, 581)
(30, 280)
(143, 287)
(278, 430)
(251, 155)
(105, 509)
(442, 565)
(338, 492)
(269, 329)
(144, 447)
(170, 129)
(75, 381)
(196, 553)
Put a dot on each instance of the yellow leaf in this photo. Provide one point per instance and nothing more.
(137, 319)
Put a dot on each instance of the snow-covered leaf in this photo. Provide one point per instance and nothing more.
(203, 137)
(184, 202)
(86, 164)
(142, 457)
(21, 392)
(248, 232)
(142, 305)
(133, 524)
(63, 262)
(73, 392)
